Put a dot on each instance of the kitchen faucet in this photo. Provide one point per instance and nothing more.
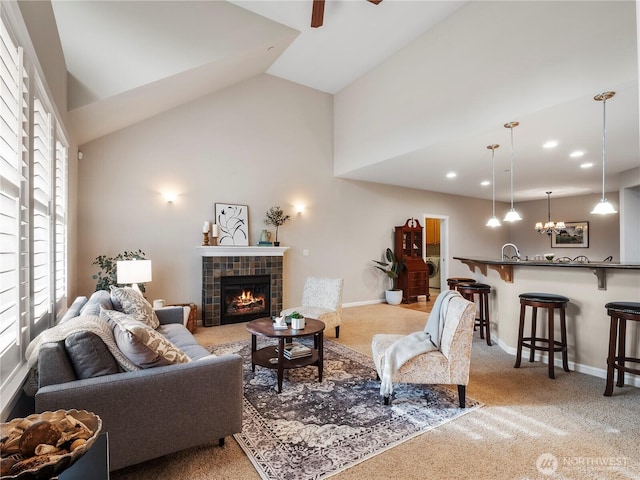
(514, 248)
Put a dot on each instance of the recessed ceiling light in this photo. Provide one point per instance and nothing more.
(586, 165)
(550, 144)
(485, 183)
(576, 154)
(452, 175)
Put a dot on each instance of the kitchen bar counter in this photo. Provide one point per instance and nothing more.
(587, 320)
(505, 267)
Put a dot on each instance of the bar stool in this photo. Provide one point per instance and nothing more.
(452, 282)
(468, 291)
(620, 312)
(550, 302)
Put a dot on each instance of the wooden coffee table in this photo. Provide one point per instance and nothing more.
(265, 357)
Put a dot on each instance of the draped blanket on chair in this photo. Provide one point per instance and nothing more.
(416, 343)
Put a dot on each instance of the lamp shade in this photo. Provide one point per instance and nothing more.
(603, 207)
(493, 222)
(133, 271)
(512, 216)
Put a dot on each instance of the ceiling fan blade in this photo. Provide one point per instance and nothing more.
(375, 2)
(317, 14)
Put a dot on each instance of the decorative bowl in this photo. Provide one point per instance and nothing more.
(54, 464)
(549, 256)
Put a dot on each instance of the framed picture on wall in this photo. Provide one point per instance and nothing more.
(233, 224)
(574, 235)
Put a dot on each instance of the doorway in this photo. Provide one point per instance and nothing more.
(436, 234)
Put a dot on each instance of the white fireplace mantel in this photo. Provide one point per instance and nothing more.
(237, 251)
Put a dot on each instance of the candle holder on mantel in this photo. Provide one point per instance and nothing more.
(205, 241)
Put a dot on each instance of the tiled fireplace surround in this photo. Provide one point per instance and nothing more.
(220, 261)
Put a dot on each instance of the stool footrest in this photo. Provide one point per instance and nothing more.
(560, 345)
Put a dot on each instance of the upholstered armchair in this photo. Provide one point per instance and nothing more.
(447, 365)
(321, 300)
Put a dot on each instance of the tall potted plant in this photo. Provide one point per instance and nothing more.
(392, 269)
(276, 217)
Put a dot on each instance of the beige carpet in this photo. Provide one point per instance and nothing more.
(527, 418)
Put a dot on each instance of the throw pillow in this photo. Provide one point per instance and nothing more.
(142, 344)
(134, 304)
(89, 355)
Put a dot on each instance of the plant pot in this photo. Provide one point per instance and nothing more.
(394, 297)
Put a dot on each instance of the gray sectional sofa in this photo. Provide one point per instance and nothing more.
(149, 412)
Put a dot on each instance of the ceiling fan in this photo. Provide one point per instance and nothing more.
(317, 14)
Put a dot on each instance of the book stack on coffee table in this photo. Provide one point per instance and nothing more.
(296, 350)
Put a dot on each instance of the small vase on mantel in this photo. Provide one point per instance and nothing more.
(276, 244)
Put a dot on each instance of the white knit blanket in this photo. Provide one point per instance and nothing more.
(407, 347)
(82, 323)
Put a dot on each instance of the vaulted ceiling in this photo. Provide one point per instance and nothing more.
(130, 60)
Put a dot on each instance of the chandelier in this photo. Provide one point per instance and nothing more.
(549, 227)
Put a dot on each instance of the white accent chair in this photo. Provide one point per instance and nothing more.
(449, 365)
(321, 300)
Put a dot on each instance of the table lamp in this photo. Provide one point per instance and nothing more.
(133, 272)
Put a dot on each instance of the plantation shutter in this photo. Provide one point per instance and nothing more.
(61, 224)
(14, 110)
(41, 215)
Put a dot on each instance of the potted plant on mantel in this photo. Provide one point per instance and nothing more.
(276, 217)
(392, 269)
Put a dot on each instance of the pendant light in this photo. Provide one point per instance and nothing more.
(549, 227)
(512, 215)
(493, 221)
(604, 207)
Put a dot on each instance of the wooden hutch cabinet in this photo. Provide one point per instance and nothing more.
(414, 278)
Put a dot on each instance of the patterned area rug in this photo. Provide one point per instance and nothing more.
(314, 430)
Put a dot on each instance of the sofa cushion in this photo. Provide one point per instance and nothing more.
(142, 344)
(183, 339)
(133, 303)
(97, 299)
(89, 355)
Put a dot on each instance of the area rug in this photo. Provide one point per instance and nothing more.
(314, 430)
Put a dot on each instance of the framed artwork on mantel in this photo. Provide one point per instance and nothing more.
(233, 224)
(575, 235)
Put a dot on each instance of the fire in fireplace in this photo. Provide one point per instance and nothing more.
(245, 298)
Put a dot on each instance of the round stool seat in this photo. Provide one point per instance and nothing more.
(544, 297)
(476, 287)
(624, 307)
(453, 282)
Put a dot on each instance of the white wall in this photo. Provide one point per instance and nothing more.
(261, 143)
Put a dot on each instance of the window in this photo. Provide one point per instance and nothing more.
(33, 206)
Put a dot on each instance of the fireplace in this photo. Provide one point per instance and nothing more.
(219, 262)
(244, 298)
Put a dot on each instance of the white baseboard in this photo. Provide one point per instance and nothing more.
(633, 380)
(360, 304)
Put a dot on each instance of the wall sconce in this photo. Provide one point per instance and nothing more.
(170, 197)
(299, 208)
